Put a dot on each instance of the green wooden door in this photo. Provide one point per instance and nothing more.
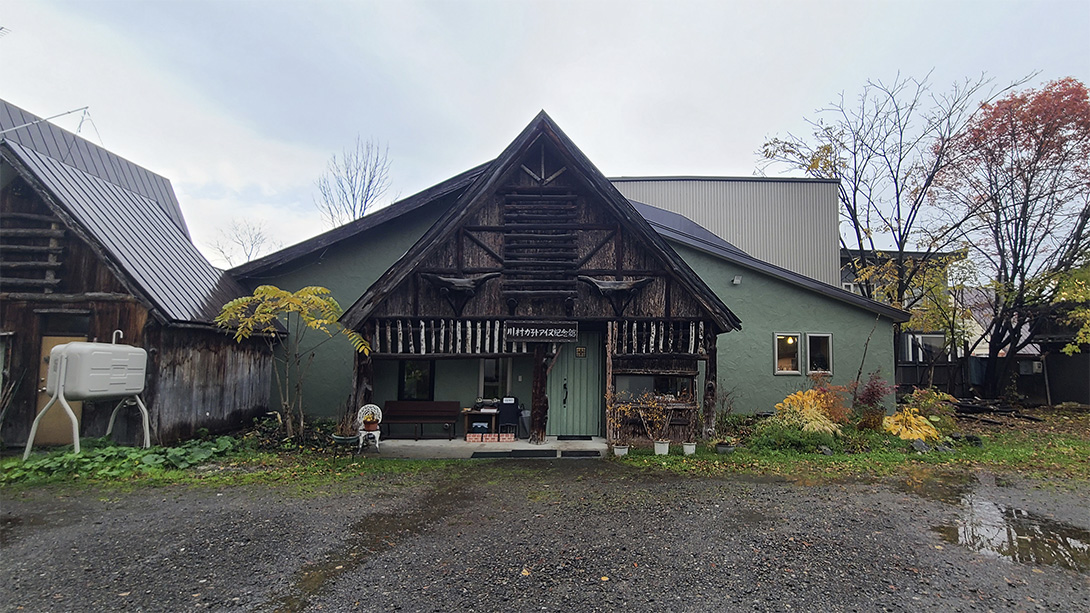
(576, 389)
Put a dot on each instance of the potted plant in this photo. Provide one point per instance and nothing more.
(346, 430)
(654, 413)
(688, 446)
(725, 445)
(725, 442)
(618, 415)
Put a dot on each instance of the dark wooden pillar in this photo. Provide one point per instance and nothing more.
(711, 383)
(539, 402)
(363, 380)
(611, 339)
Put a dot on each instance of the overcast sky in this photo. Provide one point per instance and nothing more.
(241, 103)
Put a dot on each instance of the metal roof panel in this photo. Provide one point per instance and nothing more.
(158, 259)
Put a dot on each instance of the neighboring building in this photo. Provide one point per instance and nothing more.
(790, 222)
(92, 243)
(925, 357)
(438, 282)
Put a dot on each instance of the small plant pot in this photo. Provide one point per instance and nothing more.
(345, 440)
(724, 448)
(370, 426)
(662, 447)
(620, 450)
(688, 448)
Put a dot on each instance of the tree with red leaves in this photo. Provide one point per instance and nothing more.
(1022, 173)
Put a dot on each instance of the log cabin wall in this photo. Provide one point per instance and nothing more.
(53, 284)
(532, 251)
(202, 378)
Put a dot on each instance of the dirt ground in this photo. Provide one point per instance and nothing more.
(571, 535)
(1072, 420)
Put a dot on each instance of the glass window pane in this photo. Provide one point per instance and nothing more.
(416, 380)
(819, 353)
(494, 377)
(787, 353)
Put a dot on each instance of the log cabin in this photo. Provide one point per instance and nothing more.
(91, 244)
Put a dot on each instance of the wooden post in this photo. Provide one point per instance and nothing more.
(711, 383)
(363, 386)
(539, 403)
(611, 338)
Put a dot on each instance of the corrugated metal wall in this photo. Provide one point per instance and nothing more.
(789, 223)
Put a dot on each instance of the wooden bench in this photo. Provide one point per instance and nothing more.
(420, 412)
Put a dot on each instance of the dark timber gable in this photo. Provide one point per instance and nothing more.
(542, 237)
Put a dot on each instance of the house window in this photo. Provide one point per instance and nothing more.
(416, 380)
(819, 353)
(923, 348)
(787, 354)
(662, 385)
(495, 377)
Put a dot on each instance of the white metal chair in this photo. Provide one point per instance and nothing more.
(368, 414)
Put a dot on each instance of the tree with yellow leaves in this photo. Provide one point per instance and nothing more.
(283, 318)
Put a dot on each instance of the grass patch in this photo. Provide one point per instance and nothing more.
(1036, 456)
(219, 462)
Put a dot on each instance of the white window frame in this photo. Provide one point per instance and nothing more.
(776, 353)
(827, 335)
(913, 346)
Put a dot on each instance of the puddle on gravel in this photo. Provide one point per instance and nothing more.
(373, 534)
(999, 530)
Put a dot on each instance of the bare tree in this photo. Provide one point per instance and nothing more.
(243, 241)
(353, 182)
(886, 148)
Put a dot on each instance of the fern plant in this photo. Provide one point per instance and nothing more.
(279, 315)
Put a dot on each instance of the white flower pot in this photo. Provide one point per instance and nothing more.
(688, 448)
(662, 447)
(620, 450)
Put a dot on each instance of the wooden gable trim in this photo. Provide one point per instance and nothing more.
(598, 188)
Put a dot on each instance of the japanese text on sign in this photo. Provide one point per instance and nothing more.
(540, 331)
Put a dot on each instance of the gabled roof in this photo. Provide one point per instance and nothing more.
(679, 228)
(542, 127)
(135, 236)
(454, 185)
(34, 133)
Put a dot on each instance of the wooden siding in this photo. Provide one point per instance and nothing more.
(198, 377)
(32, 262)
(529, 245)
(203, 379)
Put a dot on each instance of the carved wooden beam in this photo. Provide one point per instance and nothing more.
(457, 290)
(619, 293)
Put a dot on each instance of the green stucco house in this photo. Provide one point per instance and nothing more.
(533, 277)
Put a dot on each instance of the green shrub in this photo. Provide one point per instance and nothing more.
(106, 461)
(733, 425)
(937, 407)
(771, 434)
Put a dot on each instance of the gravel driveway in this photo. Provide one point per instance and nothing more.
(556, 535)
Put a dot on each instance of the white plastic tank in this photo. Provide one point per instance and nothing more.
(98, 370)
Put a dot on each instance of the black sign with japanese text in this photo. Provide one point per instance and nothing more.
(540, 331)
